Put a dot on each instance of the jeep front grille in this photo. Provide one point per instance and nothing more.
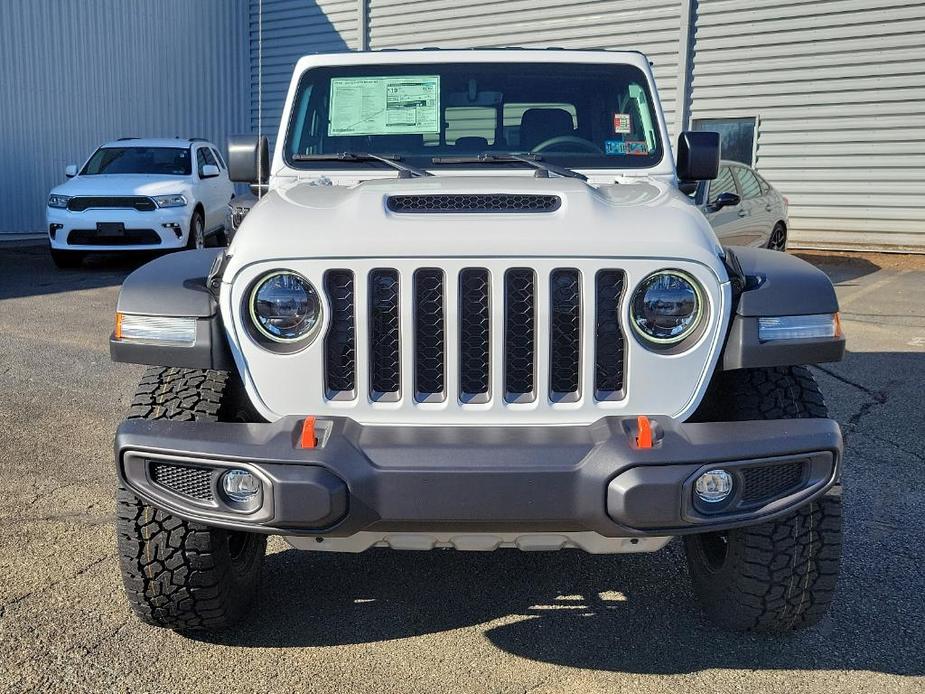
(552, 341)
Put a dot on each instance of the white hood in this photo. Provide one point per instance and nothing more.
(648, 219)
(123, 184)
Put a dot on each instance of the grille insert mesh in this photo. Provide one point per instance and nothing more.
(468, 203)
(765, 482)
(384, 333)
(474, 331)
(194, 482)
(564, 331)
(429, 335)
(519, 332)
(608, 347)
(340, 343)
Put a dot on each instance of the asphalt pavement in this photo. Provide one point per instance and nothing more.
(443, 621)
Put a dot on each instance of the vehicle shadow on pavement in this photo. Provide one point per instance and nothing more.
(631, 613)
(27, 270)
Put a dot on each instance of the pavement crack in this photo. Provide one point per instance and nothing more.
(877, 395)
(881, 439)
(80, 572)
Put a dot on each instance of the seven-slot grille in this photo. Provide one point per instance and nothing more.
(415, 348)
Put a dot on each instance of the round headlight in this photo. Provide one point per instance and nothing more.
(284, 307)
(666, 307)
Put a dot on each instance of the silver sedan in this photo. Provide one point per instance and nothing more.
(743, 208)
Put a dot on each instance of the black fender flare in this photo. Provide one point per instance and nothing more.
(176, 285)
(770, 283)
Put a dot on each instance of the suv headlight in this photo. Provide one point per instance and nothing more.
(284, 308)
(667, 307)
(58, 201)
(169, 200)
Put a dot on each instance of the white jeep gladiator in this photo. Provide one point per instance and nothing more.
(473, 309)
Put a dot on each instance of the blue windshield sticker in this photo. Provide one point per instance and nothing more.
(637, 148)
(614, 147)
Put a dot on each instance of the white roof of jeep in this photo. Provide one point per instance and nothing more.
(472, 55)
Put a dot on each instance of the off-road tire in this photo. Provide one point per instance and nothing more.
(180, 574)
(781, 575)
(66, 260)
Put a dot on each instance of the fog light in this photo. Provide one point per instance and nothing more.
(174, 227)
(714, 486)
(240, 485)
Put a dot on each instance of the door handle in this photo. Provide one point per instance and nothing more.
(743, 213)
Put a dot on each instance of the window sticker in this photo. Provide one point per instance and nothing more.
(637, 148)
(396, 105)
(622, 124)
(614, 147)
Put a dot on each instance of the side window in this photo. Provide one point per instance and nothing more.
(723, 183)
(765, 186)
(218, 158)
(200, 160)
(749, 182)
(209, 157)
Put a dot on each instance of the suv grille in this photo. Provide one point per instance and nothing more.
(532, 365)
(467, 203)
(134, 202)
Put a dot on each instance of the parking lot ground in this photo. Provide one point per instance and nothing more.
(443, 622)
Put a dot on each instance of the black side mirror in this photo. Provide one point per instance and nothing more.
(725, 200)
(698, 155)
(248, 159)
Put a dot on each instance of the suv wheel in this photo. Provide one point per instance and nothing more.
(65, 260)
(197, 232)
(180, 574)
(781, 575)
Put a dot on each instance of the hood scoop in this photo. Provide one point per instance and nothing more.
(469, 203)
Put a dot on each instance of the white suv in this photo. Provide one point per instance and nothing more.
(139, 194)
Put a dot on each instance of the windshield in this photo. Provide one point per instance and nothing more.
(169, 161)
(573, 115)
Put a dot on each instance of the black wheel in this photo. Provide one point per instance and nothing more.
(778, 240)
(66, 260)
(781, 575)
(197, 232)
(180, 574)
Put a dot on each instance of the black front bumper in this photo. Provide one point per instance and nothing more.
(479, 479)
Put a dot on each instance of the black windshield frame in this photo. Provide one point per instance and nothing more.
(581, 84)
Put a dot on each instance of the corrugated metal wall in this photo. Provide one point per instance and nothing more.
(838, 87)
(291, 29)
(652, 27)
(79, 72)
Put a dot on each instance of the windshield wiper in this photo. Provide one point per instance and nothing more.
(542, 167)
(392, 160)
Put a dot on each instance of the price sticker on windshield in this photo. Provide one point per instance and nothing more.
(622, 125)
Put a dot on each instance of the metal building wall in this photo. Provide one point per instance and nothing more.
(77, 73)
(291, 29)
(653, 27)
(838, 87)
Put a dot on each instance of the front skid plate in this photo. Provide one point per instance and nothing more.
(590, 542)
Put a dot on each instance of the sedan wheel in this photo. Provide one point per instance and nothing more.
(778, 240)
